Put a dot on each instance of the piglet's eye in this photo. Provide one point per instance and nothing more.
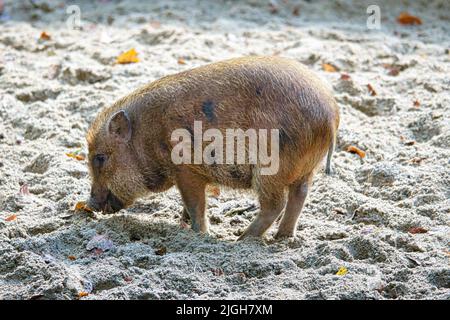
(99, 160)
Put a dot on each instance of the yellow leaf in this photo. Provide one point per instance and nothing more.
(128, 57)
(342, 271)
(44, 36)
(328, 67)
(78, 157)
(82, 206)
(11, 217)
(359, 152)
(406, 18)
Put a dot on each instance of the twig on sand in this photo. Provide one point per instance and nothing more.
(353, 215)
(240, 210)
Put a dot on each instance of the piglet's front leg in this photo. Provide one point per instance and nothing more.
(192, 190)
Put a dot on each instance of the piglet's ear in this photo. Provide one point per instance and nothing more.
(119, 126)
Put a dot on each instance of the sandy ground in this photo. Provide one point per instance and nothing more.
(360, 218)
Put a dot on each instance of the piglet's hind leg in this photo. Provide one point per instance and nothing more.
(271, 206)
(296, 199)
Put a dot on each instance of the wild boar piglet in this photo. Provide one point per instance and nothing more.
(261, 123)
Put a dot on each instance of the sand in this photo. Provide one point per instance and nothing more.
(360, 218)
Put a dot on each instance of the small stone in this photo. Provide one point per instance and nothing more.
(100, 242)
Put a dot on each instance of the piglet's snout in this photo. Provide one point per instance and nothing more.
(113, 204)
(98, 199)
(104, 200)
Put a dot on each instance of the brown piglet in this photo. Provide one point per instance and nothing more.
(260, 123)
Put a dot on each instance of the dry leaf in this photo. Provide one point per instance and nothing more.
(128, 57)
(161, 251)
(417, 230)
(83, 294)
(417, 160)
(371, 90)
(75, 156)
(44, 36)
(11, 217)
(83, 206)
(359, 152)
(406, 18)
(342, 271)
(345, 76)
(394, 71)
(328, 67)
(181, 61)
(72, 258)
(416, 103)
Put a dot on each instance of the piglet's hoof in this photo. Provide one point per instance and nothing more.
(284, 235)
